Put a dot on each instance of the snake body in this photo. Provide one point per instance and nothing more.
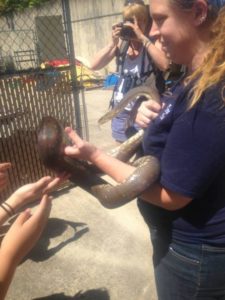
(52, 141)
(148, 91)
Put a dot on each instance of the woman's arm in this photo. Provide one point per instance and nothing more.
(105, 55)
(19, 240)
(156, 194)
(27, 194)
(162, 197)
(120, 171)
(7, 270)
(156, 53)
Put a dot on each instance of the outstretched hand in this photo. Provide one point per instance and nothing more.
(80, 149)
(20, 239)
(33, 191)
(25, 231)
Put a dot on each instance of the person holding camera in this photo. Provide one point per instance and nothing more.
(137, 58)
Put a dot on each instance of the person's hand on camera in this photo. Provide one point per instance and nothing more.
(139, 35)
(116, 29)
(4, 167)
(147, 112)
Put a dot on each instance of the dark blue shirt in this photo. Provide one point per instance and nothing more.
(190, 144)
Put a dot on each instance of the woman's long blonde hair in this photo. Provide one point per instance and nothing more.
(212, 71)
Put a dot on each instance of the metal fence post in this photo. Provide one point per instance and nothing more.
(72, 60)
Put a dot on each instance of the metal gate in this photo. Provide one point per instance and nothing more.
(36, 82)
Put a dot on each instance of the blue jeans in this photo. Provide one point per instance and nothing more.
(187, 271)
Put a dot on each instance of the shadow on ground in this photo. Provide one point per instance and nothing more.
(97, 294)
(55, 227)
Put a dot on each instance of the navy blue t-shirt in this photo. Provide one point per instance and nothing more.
(190, 144)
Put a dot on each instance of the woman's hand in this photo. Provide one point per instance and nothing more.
(116, 29)
(33, 191)
(19, 240)
(147, 112)
(4, 167)
(80, 149)
(109, 165)
(137, 30)
(25, 232)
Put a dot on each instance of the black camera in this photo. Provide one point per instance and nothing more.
(127, 33)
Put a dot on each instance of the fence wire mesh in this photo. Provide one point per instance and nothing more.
(38, 77)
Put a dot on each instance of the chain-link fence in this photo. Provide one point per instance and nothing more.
(38, 77)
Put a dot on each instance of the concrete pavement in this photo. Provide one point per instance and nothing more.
(89, 252)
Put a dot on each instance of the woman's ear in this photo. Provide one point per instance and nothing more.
(200, 12)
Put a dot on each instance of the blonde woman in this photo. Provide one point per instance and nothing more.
(142, 57)
(185, 209)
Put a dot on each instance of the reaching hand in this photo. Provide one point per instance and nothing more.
(21, 237)
(32, 191)
(147, 112)
(25, 232)
(4, 167)
(80, 149)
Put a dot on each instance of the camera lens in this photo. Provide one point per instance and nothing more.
(127, 33)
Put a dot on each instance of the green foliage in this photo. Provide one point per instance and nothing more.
(8, 7)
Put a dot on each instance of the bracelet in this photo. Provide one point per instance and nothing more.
(146, 43)
(8, 209)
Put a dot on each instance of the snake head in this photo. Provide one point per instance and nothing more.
(51, 143)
